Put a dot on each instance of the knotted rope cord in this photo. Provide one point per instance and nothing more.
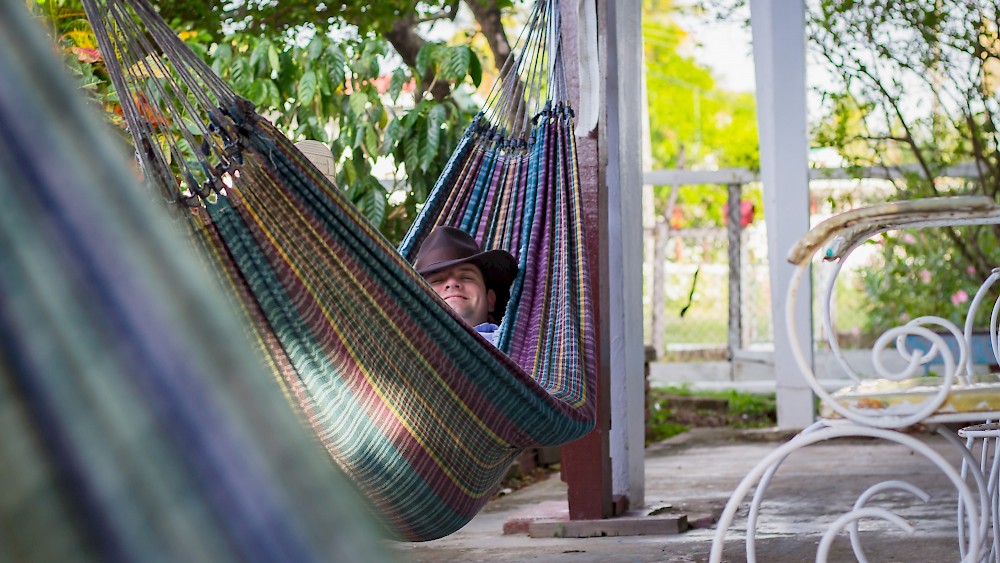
(532, 84)
(522, 88)
(165, 124)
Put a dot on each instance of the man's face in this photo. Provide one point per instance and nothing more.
(463, 288)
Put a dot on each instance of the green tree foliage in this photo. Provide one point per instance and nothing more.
(337, 92)
(353, 94)
(693, 123)
(913, 85)
(403, 23)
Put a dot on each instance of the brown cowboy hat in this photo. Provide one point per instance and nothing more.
(447, 246)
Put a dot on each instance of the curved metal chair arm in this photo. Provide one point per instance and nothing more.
(844, 230)
(899, 402)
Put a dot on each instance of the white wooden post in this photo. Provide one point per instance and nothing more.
(734, 249)
(779, 45)
(624, 182)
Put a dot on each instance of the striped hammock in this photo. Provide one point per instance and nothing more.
(421, 413)
(134, 426)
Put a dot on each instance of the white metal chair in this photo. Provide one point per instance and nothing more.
(894, 400)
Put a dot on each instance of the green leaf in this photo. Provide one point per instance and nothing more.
(475, 70)
(429, 150)
(259, 56)
(374, 201)
(425, 57)
(361, 163)
(255, 92)
(371, 55)
(350, 173)
(337, 65)
(315, 49)
(419, 187)
(411, 117)
(199, 49)
(357, 102)
(324, 86)
(359, 135)
(371, 140)
(396, 84)
(457, 63)
(272, 94)
(223, 52)
(337, 75)
(237, 70)
(437, 116)
(411, 156)
(390, 136)
(307, 88)
(191, 126)
(272, 59)
(354, 193)
(345, 137)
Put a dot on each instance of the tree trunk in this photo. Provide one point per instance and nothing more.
(487, 14)
(407, 43)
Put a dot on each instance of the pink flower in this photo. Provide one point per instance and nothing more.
(971, 270)
(903, 317)
(960, 297)
(925, 276)
(909, 239)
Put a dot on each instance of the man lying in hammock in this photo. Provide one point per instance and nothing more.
(475, 283)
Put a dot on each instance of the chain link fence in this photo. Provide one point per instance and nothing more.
(695, 311)
(692, 321)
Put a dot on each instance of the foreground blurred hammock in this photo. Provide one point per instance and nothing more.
(133, 424)
(420, 412)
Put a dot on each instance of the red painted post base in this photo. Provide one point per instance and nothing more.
(586, 469)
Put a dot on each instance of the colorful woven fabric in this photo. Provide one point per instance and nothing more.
(134, 424)
(422, 414)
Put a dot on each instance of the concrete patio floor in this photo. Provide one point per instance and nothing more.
(694, 474)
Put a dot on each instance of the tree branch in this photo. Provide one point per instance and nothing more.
(449, 13)
(405, 40)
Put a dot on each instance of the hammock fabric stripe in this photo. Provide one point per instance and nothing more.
(133, 424)
(438, 413)
(421, 413)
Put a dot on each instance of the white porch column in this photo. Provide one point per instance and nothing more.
(624, 182)
(778, 29)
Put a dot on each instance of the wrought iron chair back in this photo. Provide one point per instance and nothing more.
(896, 399)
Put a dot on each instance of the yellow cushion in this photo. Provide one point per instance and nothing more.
(887, 397)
